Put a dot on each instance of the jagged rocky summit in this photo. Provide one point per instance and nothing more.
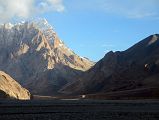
(32, 53)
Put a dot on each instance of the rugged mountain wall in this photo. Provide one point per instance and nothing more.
(137, 67)
(33, 54)
(10, 89)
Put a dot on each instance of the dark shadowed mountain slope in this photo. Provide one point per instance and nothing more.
(137, 67)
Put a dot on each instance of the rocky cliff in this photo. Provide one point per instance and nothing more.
(34, 55)
(10, 89)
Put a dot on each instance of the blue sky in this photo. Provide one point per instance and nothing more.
(93, 27)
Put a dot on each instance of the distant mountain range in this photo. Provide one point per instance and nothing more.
(32, 53)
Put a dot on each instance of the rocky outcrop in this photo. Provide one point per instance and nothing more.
(34, 55)
(137, 67)
(10, 89)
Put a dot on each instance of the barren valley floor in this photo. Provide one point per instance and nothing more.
(80, 110)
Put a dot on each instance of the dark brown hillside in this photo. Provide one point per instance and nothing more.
(137, 67)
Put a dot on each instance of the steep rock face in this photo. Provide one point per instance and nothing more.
(137, 67)
(31, 50)
(10, 89)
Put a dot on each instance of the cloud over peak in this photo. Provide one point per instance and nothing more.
(11, 9)
(50, 5)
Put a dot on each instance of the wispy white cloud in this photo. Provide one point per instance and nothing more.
(106, 51)
(15, 8)
(126, 8)
(10, 9)
(131, 8)
(51, 5)
(107, 45)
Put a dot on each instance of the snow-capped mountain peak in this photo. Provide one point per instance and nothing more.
(47, 29)
(28, 27)
(41, 24)
(38, 35)
(33, 54)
